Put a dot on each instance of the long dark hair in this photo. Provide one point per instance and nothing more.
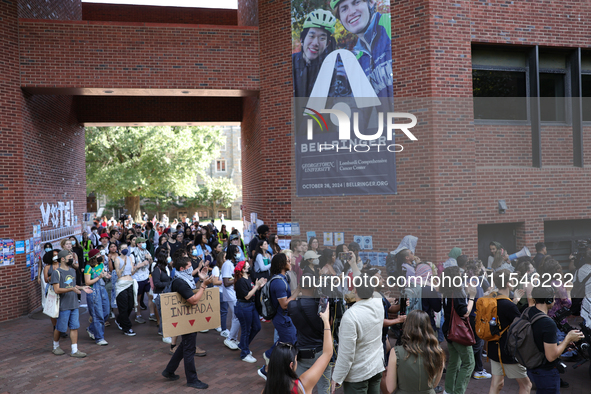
(274, 246)
(419, 339)
(162, 257)
(325, 257)
(278, 263)
(280, 376)
(259, 248)
(231, 253)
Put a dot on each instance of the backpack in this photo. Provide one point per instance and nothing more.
(578, 293)
(520, 340)
(414, 296)
(268, 311)
(486, 309)
(168, 288)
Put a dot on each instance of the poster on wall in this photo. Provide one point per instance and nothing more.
(343, 93)
(8, 251)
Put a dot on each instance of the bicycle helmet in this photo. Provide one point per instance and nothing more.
(321, 19)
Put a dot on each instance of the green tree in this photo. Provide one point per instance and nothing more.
(153, 161)
(215, 193)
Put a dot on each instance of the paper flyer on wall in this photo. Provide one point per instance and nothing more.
(310, 234)
(367, 242)
(20, 247)
(327, 239)
(339, 238)
(8, 251)
(295, 228)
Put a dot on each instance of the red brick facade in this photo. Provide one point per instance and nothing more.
(449, 181)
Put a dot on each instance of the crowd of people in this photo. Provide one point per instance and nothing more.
(370, 337)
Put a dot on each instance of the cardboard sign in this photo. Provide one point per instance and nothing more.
(179, 317)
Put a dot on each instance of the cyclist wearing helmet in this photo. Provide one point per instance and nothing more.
(374, 46)
(316, 42)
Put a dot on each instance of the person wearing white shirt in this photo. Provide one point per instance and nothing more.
(360, 361)
(229, 295)
(141, 259)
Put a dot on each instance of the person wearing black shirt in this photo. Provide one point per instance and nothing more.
(177, 244)
(263, 233)
(245, 310)
(184, 285)
(310, 332)
(507, 311)
(546, 376)
(540, 254)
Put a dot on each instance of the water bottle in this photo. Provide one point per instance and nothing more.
(493, 321)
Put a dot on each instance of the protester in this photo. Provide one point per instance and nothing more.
(309, 333)
(406, 373)
(98, 300)
(280, 294)
(283, 377)
(263, 233)
(184, 285)
(161, 277)
(52, 263)
(126, 290)
(245, 310)
(63, 280)
(216, 275)
(461, 357)
(141, 260)
(262, 260)
(229, 295)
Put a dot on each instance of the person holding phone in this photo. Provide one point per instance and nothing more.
(310, 331)
(283, 376)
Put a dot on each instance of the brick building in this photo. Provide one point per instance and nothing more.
(66, 65)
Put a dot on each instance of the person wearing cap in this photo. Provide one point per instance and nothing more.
(245, 311)
(373, 49)
(63, 280)
(316, 41)
(309, 263)
(98, 301)
(235, 240)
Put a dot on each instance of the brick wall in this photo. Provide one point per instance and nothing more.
(147, 109)
(44, 9)
(158, 14)
(248, 12)
(138, 56)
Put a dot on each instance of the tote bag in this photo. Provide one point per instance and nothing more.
(460, 331)
(52, 302)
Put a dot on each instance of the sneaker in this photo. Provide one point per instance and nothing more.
(482, 375)
(219, 329)
(249, 359)
(200, 352)
(130, 333)
(266, 358)
(112, 315)
(118, 326)
(58, 351)
(262, 373)
(91, 335)
(170, 376)
(102, 342)
(198, 385)
(231, 344)
(204, 331)
(160, 333)
(78, 354)
(225, 333)
(438, 389)
(152, 318)
(139, 319)
(564, 384)
(167, 340)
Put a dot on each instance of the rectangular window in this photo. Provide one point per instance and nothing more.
(499, 95)
(552, 92)
(586, 93)
(220, 165)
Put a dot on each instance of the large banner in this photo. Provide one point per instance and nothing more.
(342, 79)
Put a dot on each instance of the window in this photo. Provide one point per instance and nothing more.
(552, 103)
(224, 143)
(494, 84)
(586, 93)
(220, 165)
(499, 84)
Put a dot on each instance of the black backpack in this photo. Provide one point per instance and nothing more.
(267, 310)
(578, 293)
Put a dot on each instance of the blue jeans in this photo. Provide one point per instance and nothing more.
(98, 307)
(285, 329)
(546, 381)
(68, 319)
(223, 312)
(250, 325)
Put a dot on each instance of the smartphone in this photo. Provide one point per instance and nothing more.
(402, 306)
(343, 256)
(322, 304)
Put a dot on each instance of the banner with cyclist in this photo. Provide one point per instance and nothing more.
(342, 79)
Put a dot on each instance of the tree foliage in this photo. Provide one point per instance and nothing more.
(152, 161)
(216, 192)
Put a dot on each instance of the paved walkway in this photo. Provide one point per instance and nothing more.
(134, 364)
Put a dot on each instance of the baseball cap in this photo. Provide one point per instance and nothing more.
(310, 254)
(233, 237)
(63, 253)
(104, 235)
(139, 240)
(93, 253)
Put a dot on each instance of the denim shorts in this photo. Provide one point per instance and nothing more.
(68, 319)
